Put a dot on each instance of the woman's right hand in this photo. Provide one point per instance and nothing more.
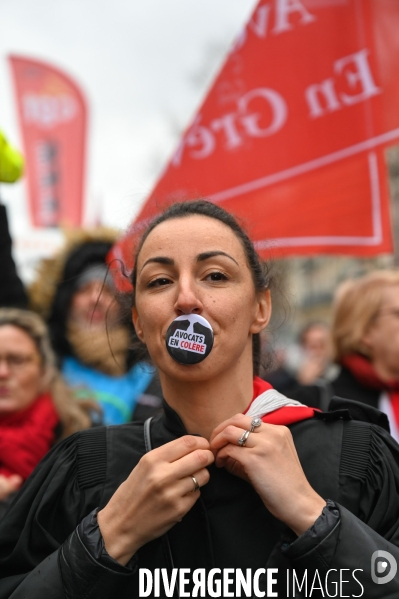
(156, 495)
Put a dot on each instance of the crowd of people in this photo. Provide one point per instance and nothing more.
(72, 361)
(229, 462)
(66, 361)
(357, 356)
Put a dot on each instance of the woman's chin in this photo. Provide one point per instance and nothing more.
(8, 406)
(201, 371)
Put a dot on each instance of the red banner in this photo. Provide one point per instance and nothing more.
(291, 134)
(52, 115)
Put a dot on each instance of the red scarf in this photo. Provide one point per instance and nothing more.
(363, 371)
(285, 415)
(26, 437)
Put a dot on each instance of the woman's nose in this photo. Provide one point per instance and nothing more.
(4, 369)
(187, 301)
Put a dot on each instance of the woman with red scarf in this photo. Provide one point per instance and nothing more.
(365, 333)
(232, 480)
(35, 404)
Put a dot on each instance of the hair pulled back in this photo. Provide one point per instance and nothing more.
(259, 270)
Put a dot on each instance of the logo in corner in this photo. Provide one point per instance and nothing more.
(383, 567)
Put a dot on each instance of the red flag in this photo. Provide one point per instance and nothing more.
(52, 114)
(291, 134)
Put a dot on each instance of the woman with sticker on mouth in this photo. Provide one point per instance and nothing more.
(231, 475)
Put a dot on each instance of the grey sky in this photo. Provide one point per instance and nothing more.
(134, 60)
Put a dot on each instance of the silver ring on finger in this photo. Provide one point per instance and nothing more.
(196, 485)
(243, 439)
(255, 423)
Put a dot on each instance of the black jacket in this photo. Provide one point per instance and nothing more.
(45, 554)
(344, 385)
(12, 292)
(347, 385)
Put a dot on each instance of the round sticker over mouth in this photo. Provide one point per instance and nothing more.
(189, 339)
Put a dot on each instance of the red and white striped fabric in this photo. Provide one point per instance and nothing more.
(274, 408)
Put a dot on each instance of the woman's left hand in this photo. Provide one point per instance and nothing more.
(269, 462)
(9, 485)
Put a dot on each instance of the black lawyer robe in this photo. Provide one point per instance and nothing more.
(355, 464)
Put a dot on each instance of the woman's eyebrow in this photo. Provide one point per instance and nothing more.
(207, 255)
(158, 260)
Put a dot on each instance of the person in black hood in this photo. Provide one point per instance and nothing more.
(89, 331)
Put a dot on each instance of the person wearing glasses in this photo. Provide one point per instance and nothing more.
(36, 407)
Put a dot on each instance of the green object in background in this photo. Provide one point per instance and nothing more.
(11, 162)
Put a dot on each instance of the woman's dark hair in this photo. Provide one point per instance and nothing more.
(259, 270)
